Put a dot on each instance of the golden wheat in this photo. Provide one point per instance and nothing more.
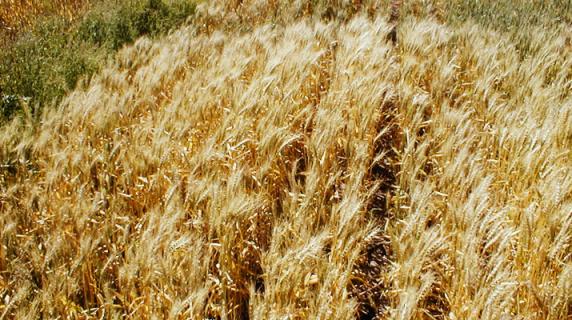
(19, 15)
(298, 170)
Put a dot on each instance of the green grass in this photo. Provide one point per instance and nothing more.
(511, 15)
(48, 61)
(520, 20)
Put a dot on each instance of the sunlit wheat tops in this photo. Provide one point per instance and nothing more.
(20, 14)
(307, 169)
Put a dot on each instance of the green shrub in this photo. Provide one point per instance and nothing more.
(9, 104)
(92, 29)
(519, 19)
(119, 31)
(48, 61)
(511, 15)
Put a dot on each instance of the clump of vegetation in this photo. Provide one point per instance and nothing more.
(520, 21)
(511, 16)
(130, 21)
(47, 59)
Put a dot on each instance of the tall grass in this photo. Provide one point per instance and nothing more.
(269, 164)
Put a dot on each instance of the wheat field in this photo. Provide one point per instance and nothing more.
(16, 15)
(268, 164)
